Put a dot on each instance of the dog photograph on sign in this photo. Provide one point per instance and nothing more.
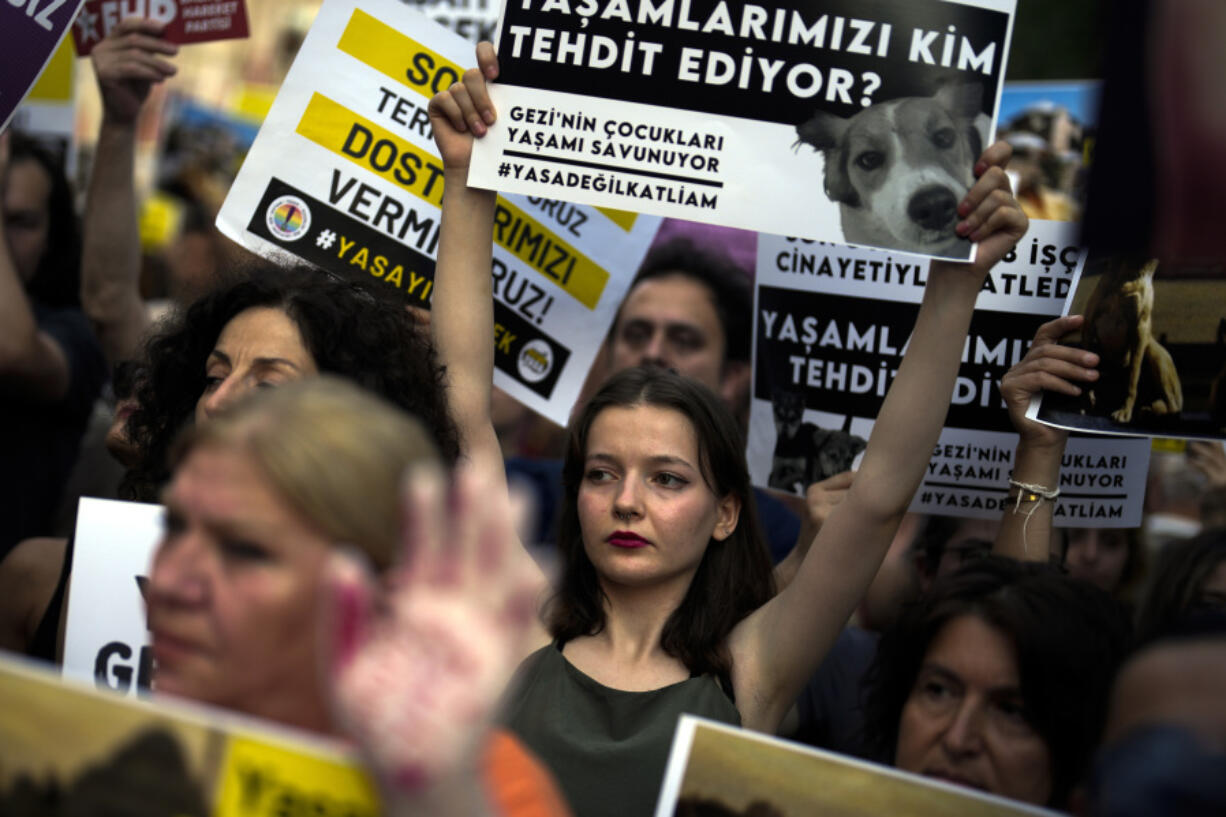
(899, 168)
(1159, 330)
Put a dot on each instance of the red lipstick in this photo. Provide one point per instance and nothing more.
(626, 539)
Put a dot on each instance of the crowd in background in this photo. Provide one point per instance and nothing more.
(275, 411)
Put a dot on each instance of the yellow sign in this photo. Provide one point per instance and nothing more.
(394, 55)
(536, 246)
(55, 84)
(371, 147)
(622, 218)
(260, 778)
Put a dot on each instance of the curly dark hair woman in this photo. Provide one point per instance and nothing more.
(353, 330)
(998, 679)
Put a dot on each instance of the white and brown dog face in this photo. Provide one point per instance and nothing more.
(898, 169)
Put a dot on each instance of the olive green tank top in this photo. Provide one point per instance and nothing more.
(606, 747)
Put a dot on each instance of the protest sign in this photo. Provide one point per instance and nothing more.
(187, 21)
(855, 121)
(30, 32)
(831, 326)
(1160, 333)
(66, 748)
(106, 641)
(714, 768)
(344, 175)
(474, 20)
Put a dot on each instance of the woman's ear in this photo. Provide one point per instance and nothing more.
(729, 511)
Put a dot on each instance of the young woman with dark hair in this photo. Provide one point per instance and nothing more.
(998, 678)
(652, 510)
(735, 575)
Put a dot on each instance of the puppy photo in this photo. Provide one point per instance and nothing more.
(806, 453)
(1136, 372)
(898, 169)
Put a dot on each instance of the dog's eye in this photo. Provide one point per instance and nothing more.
(870, 160)
(944, 138)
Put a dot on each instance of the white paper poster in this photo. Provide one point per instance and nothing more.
(344, 175)
(714, 768)
(856, 121)
(106, 641)
(831, 326)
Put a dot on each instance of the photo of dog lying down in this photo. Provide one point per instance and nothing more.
(898, 169)
(1159, 330)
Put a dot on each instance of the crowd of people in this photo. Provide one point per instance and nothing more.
(331, 461)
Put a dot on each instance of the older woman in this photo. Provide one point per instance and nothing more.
(260, 500)
(998, 679)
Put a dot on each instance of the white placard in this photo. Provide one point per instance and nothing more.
(106, 641)
(831, 325)
(856, 121)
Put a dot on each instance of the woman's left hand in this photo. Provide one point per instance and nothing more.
(420, 663)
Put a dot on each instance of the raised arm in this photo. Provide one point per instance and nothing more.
(462, 312)
(778, 647)
(127, 63)
(1026, 527)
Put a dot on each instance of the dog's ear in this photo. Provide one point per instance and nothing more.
(963, 100)
(825, 132)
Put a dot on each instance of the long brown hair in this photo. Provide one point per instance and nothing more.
(734, 577)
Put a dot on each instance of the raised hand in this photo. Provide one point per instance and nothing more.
(420, 662)
(128, 62)
(990, 215)
(464, 110)
(1051, 366)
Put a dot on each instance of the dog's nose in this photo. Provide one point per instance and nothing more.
(933, 207)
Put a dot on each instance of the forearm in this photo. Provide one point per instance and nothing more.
(18, 328)
(462, 312)
(1026, 525)
(110, 263)
(32, 365)
(910, 420)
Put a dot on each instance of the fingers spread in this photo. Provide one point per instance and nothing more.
(422, 525)
(348, 617)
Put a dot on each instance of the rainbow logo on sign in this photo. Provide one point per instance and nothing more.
(288, 218)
